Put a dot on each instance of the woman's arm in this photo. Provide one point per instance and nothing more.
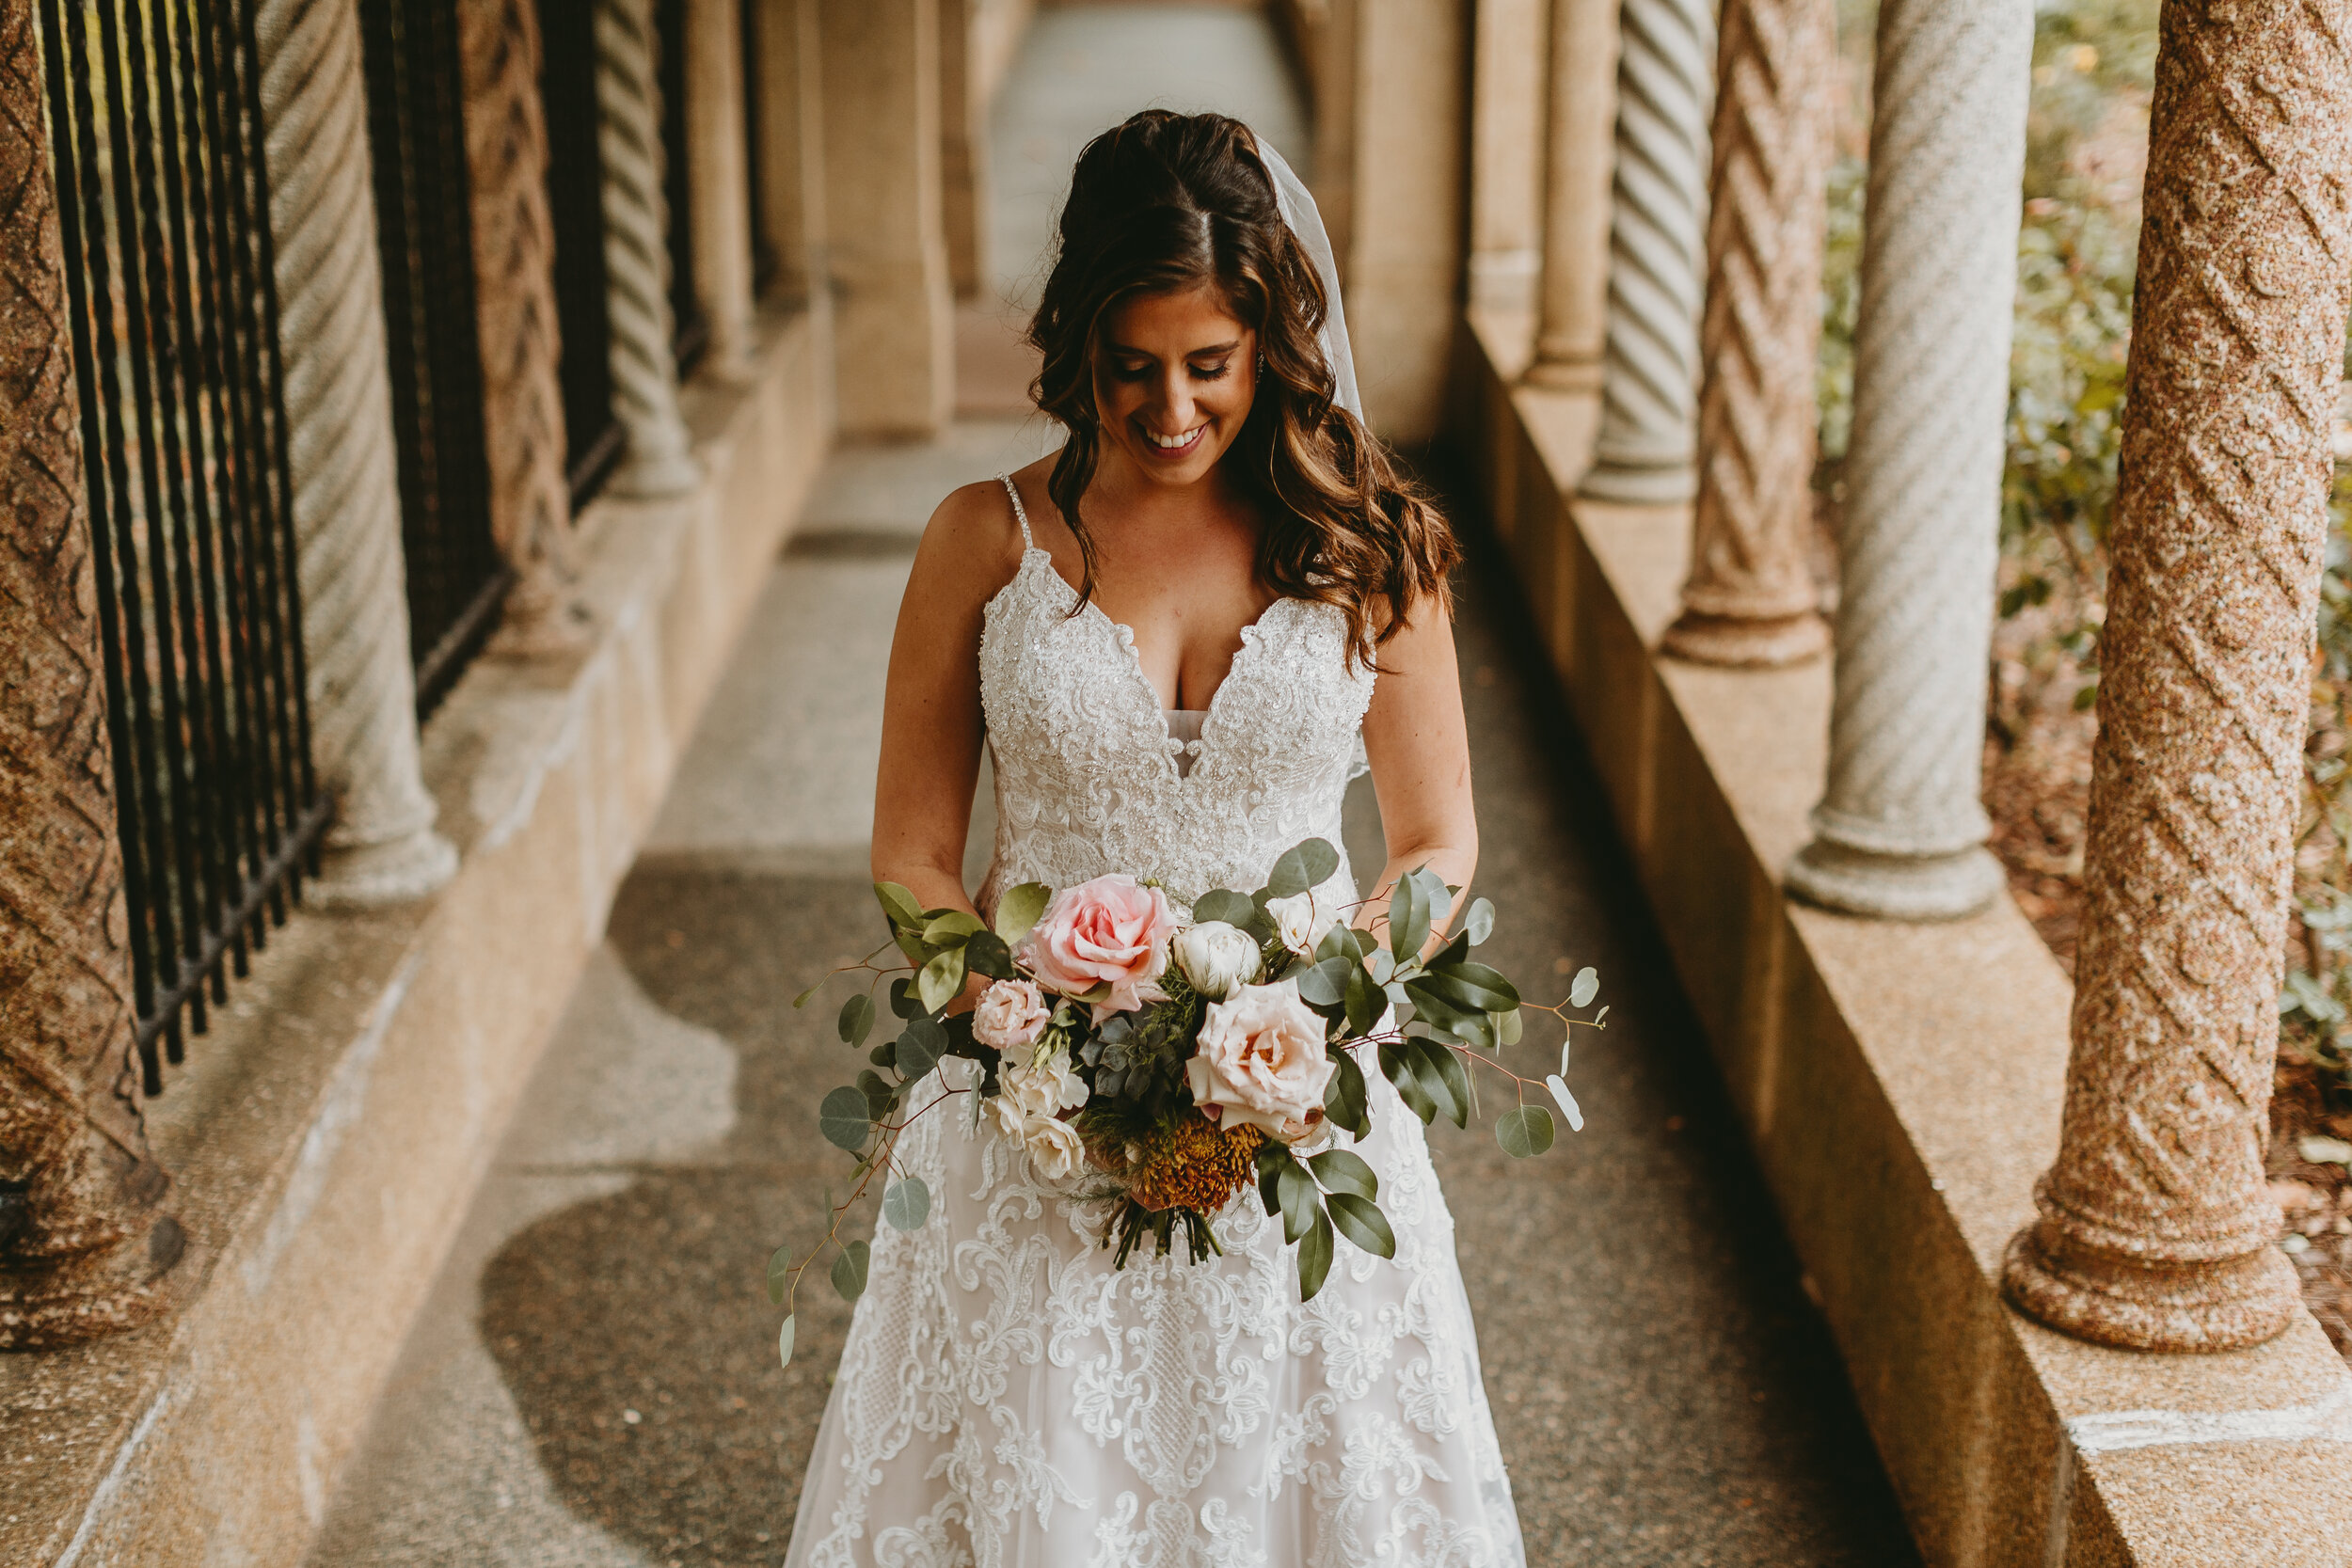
(1418, 748)
(932, 727)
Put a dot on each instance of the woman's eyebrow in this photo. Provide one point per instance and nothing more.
(1193, 354)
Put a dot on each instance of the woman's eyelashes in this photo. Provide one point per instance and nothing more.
(1199, 372)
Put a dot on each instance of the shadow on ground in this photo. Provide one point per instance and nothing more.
(1665, 1394)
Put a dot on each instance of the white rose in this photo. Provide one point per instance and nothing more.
(1217, 959)
(1010, 1016)
(1055, 1147)
(1300, 922)
(1039, 1089)
(1261, 1061)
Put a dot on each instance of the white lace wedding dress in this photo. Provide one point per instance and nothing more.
(1009, 1399)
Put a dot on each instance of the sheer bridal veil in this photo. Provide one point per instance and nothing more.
(1297, 207)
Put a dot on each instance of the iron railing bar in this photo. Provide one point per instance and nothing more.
(82, 235)
(284, 863)
(281, 520)
(447, 659)
(174, 529)
(123, 123)
(222, 422)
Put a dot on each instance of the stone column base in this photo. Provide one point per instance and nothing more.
(89, 1295)
(1747, 643)
(1638, 483)
(1888, 886)
(1557, 370)
(370, 876)
(2140, 1304)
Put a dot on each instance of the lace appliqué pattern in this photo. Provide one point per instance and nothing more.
(1009, 1399)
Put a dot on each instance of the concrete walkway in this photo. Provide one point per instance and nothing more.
(594, 1383)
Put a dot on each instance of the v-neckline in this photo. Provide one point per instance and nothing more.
(1125, 636)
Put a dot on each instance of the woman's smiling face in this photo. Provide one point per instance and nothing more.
(1174, 382)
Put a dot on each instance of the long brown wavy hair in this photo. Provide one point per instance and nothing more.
(1167, 202)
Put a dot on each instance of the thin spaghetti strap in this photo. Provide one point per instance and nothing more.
(1018, 510)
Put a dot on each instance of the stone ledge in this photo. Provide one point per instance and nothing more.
(1902, 1083)
(327, 1135)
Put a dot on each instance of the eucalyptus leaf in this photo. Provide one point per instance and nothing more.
(985, 952)
(1470, 988)
(1381, 965)
(1480, 922)
(1314, 1258)
(1223, 904)
(802, 1000)
(940, 980)
(1442, 1074)
(848, 1270)
(1568, 1107)
(1324, 984)
(1341, 1170)
(845, 1119)
(1300, 867)
(1362, 1222)
(885, 1054)
(1584, 986)
(1409, 919)
(1524, 1132)
(900, 905)
(779, 1274)
(1297, 1190)
(1397, 1066)
(903, 1000)
(857, 1017)
(920, 1048)
(1344, 1098)
(879, 1094)
(1018, 908)
(1508, 1026)
(1363, 999)
(906, 1204)
(951, 929)
(783, 1341)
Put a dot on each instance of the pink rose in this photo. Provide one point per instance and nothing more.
(1261, 1061)
(1010, 1016)
(1111, 932)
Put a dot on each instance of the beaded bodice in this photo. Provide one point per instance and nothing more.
(1087, 775)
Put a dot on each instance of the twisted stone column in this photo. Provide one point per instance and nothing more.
(1750, 598)
(1579, 152)
(660, 454)
(2155, 1225)
(1901, 831)
(1507, 153)
(718, 182)
(1656, 253)
(85, 1248)
(346, 491)
(514, 253)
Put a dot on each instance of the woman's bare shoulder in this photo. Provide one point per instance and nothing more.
(970, 548)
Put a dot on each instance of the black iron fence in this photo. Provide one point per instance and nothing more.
(691, 332)
(567, 92)
(416, 123)
(157, 143)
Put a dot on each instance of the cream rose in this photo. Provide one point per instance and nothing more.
(1112, 931)
(1217, 959)
(1261, 1061)
(1300, 921)
(1041, 1089)
(1055, 1147)
(1010, 1016)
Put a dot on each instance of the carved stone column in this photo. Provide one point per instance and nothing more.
(1579, 154)
(85, 1248)
(659, 459)
(1900, 831)
(791, 156)
(382, 847)
(1657, 254)
(1507, 153)
(718, 181)
(513, 252)
(2157, 1227)
(1750, 598)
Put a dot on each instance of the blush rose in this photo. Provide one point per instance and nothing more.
(1112, 931)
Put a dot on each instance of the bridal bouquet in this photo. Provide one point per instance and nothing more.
(1162, 1059)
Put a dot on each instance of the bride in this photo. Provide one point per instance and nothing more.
(1179, 637)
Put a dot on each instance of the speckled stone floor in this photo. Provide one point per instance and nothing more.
(593, 1382)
